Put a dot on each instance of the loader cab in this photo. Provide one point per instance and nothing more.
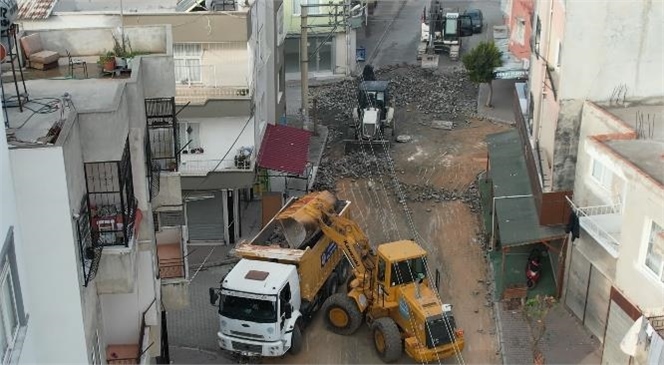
(374, 94)
(456, 26)
(399, 264)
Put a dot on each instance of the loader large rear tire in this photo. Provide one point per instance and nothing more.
(342, 315)
(387, 339)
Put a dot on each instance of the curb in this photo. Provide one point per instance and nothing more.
(498, 320)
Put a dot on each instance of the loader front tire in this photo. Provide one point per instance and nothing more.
(342, 315)
(387, 339)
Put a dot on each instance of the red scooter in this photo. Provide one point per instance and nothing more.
(534, 267)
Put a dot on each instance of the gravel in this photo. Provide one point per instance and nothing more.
(359, 165)
(448, 96)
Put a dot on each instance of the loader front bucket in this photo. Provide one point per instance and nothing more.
(373, 147)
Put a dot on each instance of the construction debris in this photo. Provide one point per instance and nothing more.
(367, 165)
(442, 96)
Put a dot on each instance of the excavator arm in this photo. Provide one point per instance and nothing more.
(354, 243)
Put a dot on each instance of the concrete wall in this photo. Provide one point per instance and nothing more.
(620, 46)
(225, 64)
(45, 216)
(94, 41)
(170, 191)
(191, 27)
(218, 108)
(200, 27)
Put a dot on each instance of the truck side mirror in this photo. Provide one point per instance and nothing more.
(213, 296)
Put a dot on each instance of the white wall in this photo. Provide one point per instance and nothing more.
(9, 218)
(63, 21)
(217, 136)
(45, 218)
(612, 43)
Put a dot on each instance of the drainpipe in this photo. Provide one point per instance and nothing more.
(492, 244)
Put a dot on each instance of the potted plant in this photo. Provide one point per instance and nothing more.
(107, 61)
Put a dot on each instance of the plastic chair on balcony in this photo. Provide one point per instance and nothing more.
(76, 63)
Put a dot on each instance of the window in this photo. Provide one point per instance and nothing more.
(11, 303)
(313, 10)
(187, 61)
(190, 141)
(408, 271)
(602, 175)
(559, 52)
(519, 34)
(655, 255)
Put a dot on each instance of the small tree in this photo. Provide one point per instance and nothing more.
(480, 63)
(535, 311)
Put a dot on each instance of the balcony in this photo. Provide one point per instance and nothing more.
(111, 201)
(603, 223)
(173, 266)
(195, 167)
(198, 84)
(137, 353)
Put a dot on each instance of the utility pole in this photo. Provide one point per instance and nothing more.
(304, 64)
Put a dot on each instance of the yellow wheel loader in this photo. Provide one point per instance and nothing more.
(390, 291)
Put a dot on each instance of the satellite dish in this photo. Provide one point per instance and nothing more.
(8, 13)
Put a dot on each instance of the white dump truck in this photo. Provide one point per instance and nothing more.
(285, 274)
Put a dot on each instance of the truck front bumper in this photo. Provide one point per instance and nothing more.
(247, 347)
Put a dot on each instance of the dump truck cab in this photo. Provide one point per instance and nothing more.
(259, 303)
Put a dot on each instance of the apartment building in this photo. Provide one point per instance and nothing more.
(334, 46)
(513, 40)
(230, 84)
(83, 167)
(616, 267)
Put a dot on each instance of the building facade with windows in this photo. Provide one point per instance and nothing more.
(230, 84)
(86, 171)
(332, 48)
(616, 266)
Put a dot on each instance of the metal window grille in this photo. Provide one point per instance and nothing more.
(111, 200)
(162, 129)
(89, 251)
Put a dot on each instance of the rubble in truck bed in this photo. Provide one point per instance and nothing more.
(441, 96)
(378, 168)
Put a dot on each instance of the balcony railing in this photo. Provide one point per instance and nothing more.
(90, 251)
(111, 200)
(197, 84)
(203, 167)
(603, 223)
(162, 130)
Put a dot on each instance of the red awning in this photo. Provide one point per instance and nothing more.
(284, 149)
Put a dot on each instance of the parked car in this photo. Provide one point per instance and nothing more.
(477, 18)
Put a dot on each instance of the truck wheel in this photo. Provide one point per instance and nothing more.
(342, 271)
(387, 339)
(342, 315)
(296, 340)
(331, 286)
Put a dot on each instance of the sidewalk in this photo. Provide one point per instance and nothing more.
(502, 109)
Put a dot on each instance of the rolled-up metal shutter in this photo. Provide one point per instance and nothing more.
(205, 219)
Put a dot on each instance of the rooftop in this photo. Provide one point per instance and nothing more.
(237, 278)
(49, 108)
(155, 6)
(647, 151)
